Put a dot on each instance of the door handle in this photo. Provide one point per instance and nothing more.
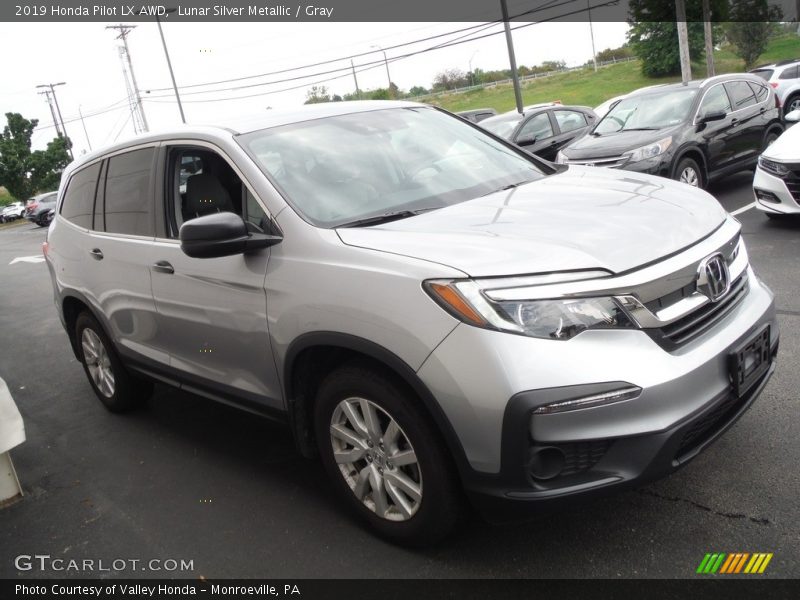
(734, 122)
(163, 266)
(762, 111)
(96, 253)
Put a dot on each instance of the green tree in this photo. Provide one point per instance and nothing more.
(22, 172)
(653, 35)
(750, 29)
(317, 94)
(417, 90)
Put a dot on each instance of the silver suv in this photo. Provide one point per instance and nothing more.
(435, 313)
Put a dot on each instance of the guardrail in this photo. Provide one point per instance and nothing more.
(491, 84)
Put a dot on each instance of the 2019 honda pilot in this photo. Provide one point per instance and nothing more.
(435, 313)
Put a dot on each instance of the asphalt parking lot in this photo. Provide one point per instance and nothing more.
(190, 479)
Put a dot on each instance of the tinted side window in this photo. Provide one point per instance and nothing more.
(128, 198)
(760, 91)
(78, 203)
(715, 100)
(790, 73)
(538, 127)
(569, 120)
(741, 94)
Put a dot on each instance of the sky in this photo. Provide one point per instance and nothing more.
(85, 56)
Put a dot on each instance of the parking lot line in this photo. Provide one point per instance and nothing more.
(739, 211)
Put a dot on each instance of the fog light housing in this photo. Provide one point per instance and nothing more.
(765, 196)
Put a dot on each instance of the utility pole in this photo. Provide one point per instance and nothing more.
(511, 58)
(710, 71)
(52, 87)
(386, 62)
(86, 133)
(683, 41)
(358, 92)
(46, 93)
(591, 34)
(471, 74)
(169, 64)
(125, 55)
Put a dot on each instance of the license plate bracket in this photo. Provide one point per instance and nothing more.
(750, 360)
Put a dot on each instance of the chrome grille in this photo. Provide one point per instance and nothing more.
(609, 161)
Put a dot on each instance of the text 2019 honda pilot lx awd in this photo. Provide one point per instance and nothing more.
(434, 312)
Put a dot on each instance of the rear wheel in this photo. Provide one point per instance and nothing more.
(114, 386)
(770, 138)
(688, 172)
(385, 458)
(792, 103)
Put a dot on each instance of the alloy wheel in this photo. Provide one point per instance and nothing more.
(376, 459)
(689, 175)
(98, 362)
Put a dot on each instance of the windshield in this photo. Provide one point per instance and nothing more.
(341, 169)
(648, 111)
(765, 74)
(502, 126)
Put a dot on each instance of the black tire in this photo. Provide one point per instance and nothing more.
(771, 136)
(689, 163)
(441, 505)
(787, 106)
(128, 392)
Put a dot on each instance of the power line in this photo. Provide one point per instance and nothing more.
(378, 63)
(549, 5)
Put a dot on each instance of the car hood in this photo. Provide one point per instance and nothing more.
(786, 147)
(581, 218)
(613, 144)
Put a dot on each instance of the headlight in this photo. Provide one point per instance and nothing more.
(650, 150)
(560, 158)
(556, 319)
(772, 167)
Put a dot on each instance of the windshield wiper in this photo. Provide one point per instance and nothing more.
(640, 129)
(387, 217)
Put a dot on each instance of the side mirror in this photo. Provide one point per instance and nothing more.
(221, 234)
(526, 141)
(792, 117)
(714, 115)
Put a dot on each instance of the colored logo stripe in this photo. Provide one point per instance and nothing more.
(720, 562)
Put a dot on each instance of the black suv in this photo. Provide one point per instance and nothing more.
(542, 129)
(694, 133)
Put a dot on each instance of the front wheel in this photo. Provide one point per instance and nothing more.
(688, 172)
(385, 458)
(111, 382)
(792, 104)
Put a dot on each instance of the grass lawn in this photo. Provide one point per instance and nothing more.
(587, 88)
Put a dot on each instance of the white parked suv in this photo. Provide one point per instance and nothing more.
(776, 184)
(784, 78)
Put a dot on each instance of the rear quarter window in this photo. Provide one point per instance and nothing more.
(78, 204)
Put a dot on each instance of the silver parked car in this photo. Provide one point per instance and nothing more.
(437, 314)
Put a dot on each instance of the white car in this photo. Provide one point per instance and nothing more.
(776, 184)
(15, 210)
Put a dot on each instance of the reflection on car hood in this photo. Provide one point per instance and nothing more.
(786, 147)
(613, 144)
(582, 218)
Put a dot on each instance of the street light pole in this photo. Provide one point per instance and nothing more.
(169, 64)
(471, 74)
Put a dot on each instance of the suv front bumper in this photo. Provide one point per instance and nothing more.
(489, 383)
(772, 194)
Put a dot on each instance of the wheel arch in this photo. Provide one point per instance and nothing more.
(696, 154)
(314, 355)
(73, 304)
